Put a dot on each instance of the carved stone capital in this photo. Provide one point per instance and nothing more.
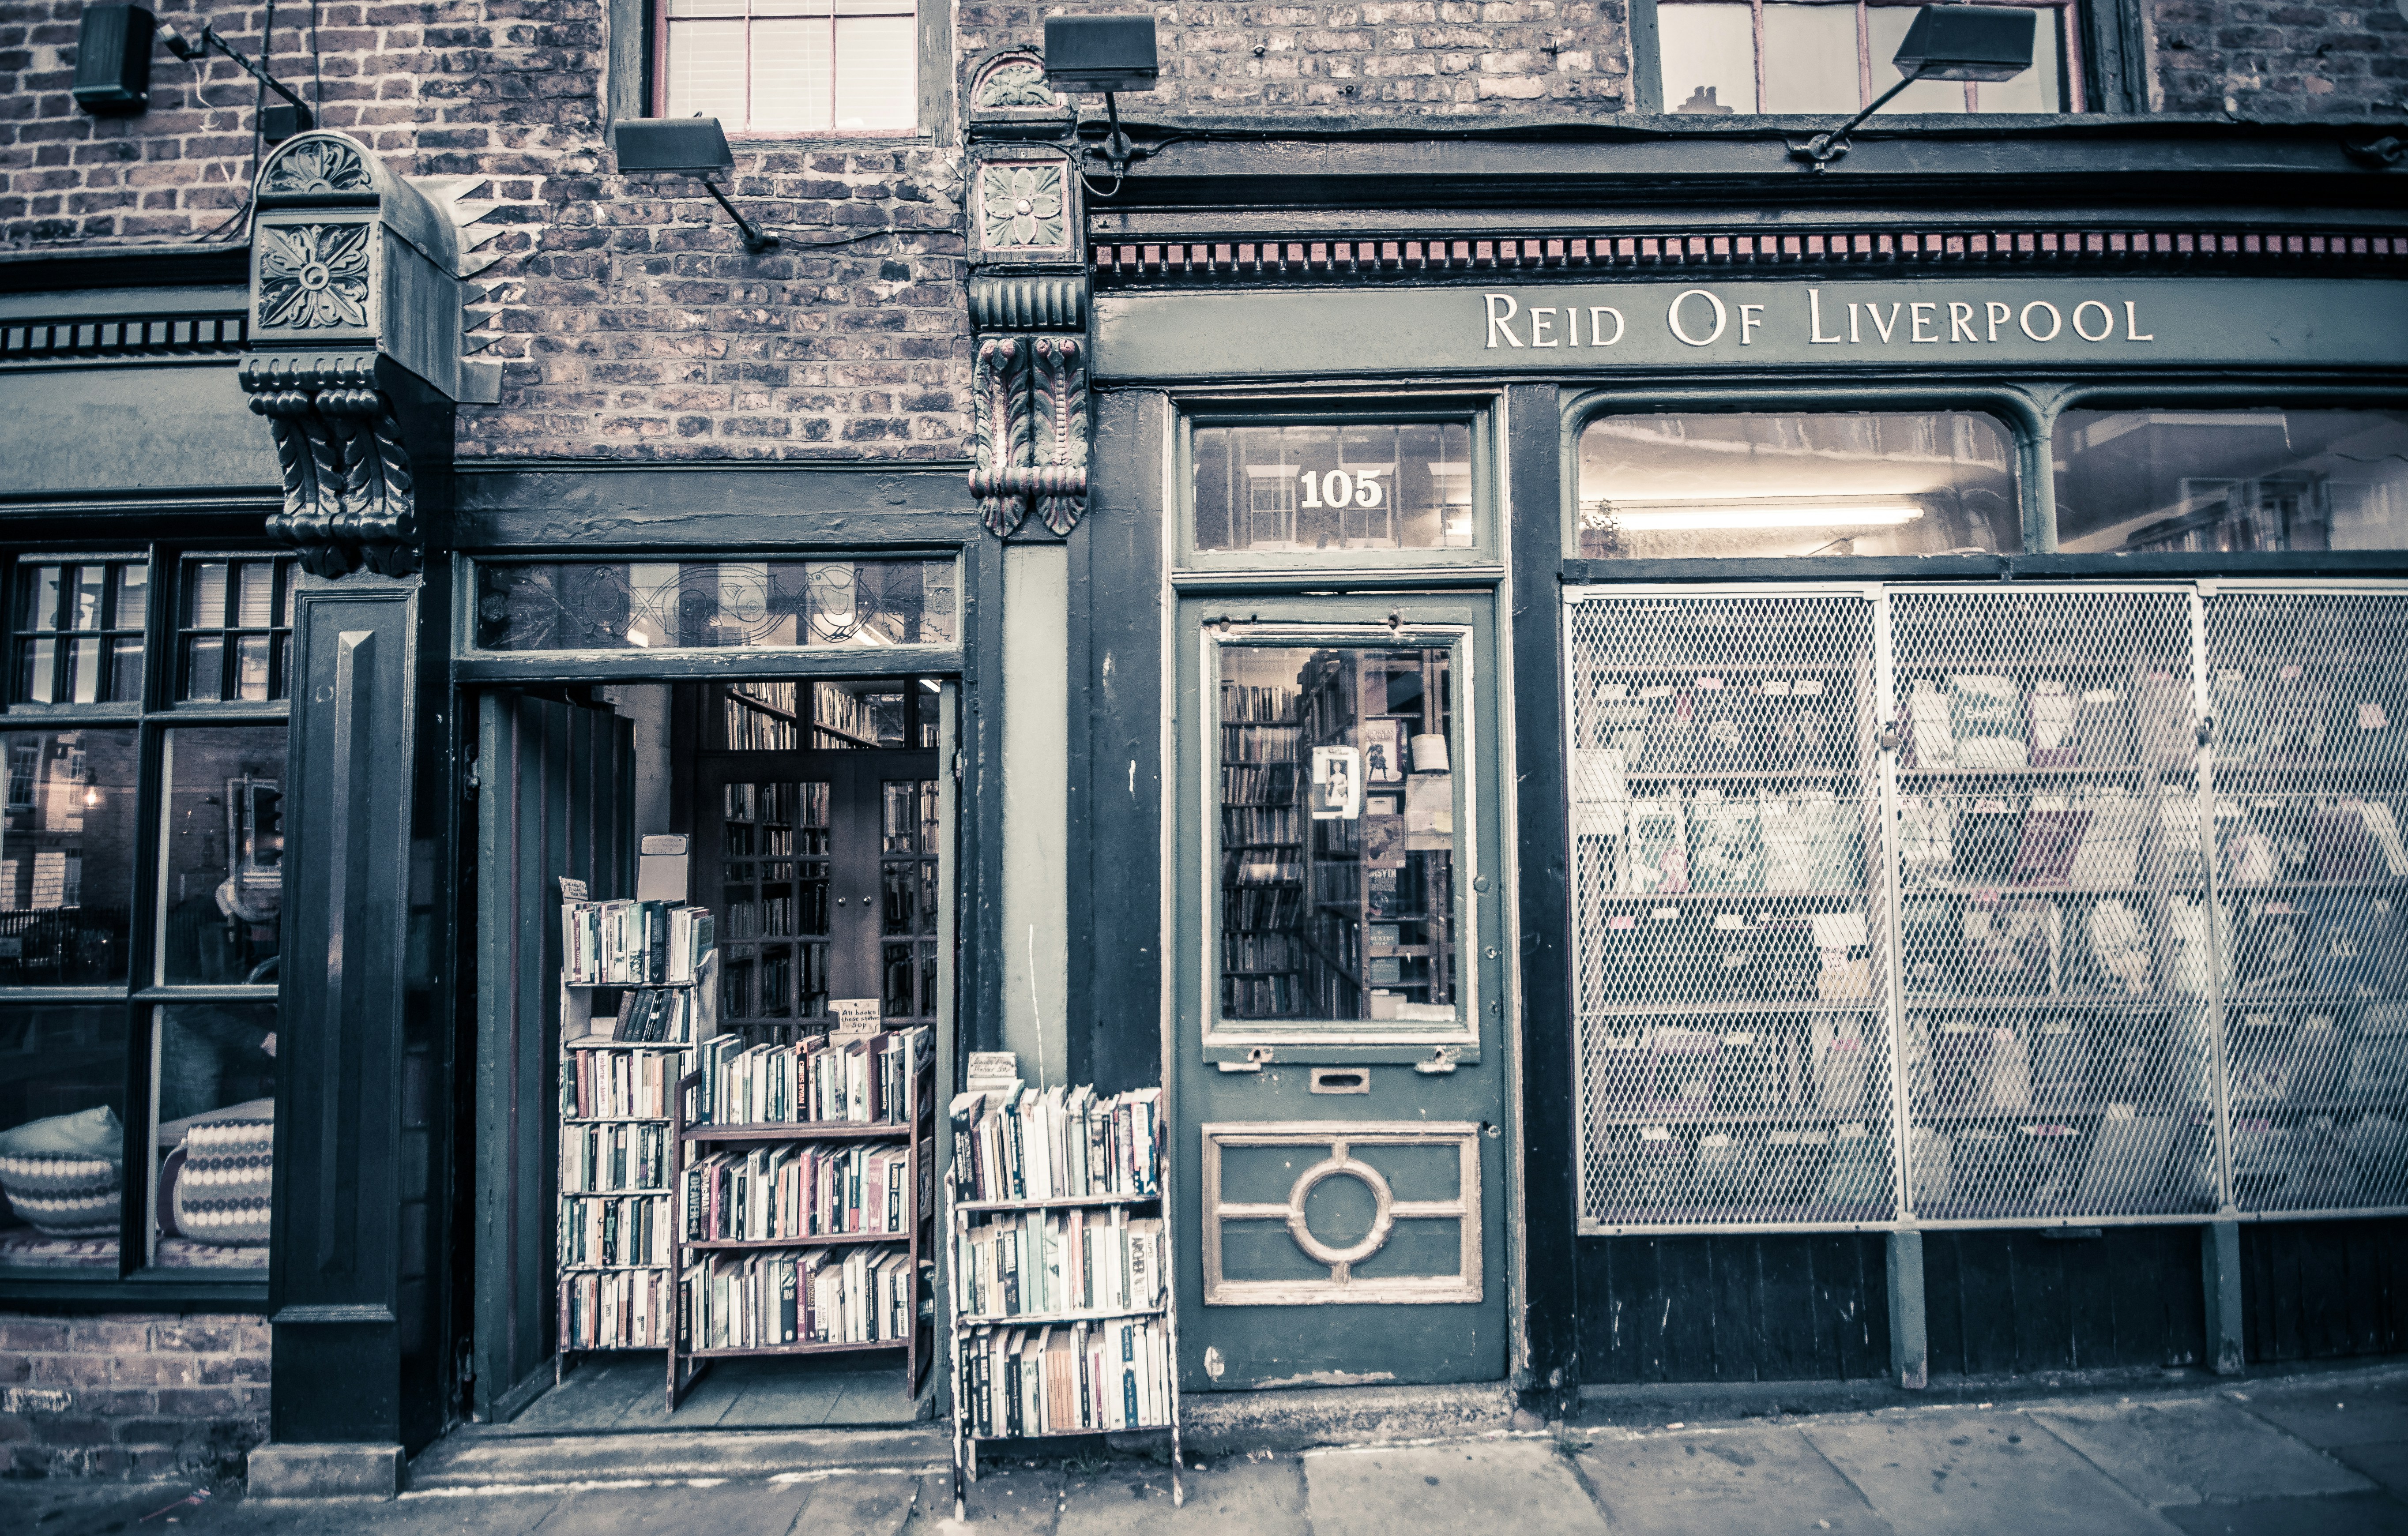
(1030, 425)
(350, 496)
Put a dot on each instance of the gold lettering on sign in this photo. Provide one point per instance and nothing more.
(1884, 326)
(1673, 318)
(1750, 316)
(2133, 323)
(1922, 318)
(1497, 326)
(2106, 320)
(1594, 325)
(1999, 315)
(1815, 318)
(1543, 326)
(2055, 320)
(1961, 323)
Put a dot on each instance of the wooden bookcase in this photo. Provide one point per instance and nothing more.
(915, 1133)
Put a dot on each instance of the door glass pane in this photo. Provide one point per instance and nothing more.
(908, 897)
(1338, 840)
(2236, 481)
(1655, 487)
(1322, 488)
(222, 857)
(67, 856)
(1709, 54)
(212, 1148)
(62, 1138)
(1810, 59)
(773, 883)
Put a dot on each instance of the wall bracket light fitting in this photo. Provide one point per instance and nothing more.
(275, 123)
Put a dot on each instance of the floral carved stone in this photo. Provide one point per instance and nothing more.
(1017, 83)
(1021, 206)
(313, 276)
(317, 165)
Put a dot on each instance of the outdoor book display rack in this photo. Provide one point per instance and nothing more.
(618, 1080)
(1062, 1278)
(798, 1237)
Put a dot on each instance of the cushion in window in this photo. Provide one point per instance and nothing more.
(223, 1190)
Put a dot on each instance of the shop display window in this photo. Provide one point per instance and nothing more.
(2230, 481)
(222, 856)
(1330, 487)
(1721, 57)
(62, 1138)
(668, 605)
(67, 856)
(1339, 845)
(1767, 483)
(214, 1136)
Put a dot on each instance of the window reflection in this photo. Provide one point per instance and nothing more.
(1668, 487)
(222, 857)
(62, 1137)
(78, 633)
(1337, 834)
(2236, 481)
(1833, 57)
(67, 856)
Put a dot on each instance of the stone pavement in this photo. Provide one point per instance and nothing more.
(2326, 1455)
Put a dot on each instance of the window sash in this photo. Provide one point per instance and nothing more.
(1871, 67)
(790, 67)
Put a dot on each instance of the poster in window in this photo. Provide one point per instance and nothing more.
(1337, 782)
(1383, 842)
(1383, 751)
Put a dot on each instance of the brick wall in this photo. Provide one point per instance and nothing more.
(131, 1395)
(1560, 59)
(2281, 59)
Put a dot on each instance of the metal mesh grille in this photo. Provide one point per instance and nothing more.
(2309, 694)
(1732, 963)
(2092, 900)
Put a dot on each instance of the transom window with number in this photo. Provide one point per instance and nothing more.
(770, 66)
(1833, 56)
(141, 914)
(1321, 488)
(1337, 841)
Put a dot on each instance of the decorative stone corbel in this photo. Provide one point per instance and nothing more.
(358, 323)
(1028, 429)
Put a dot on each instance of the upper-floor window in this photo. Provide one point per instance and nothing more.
(1833, 56)
(777, 66)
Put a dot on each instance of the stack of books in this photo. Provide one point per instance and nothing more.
(863, 1079)
(1040, 1263)
(609, 1231)
(627, 1309)
(617, 1084)
(1077, 1378)
(1056, 1144)
(775, 1301)
(796, 1189)
(610, 1159)
(632, 944)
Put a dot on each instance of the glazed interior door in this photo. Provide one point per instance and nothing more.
(1339, 928)
(823, 867)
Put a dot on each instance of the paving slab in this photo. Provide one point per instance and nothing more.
(1004, 1502)
(863, 1505)
(754, 1509)
(469, 1459)
(1234, 1497)
(2191, 1453)
(2385, 1461)
(1477, 1489)
(485, 1514)
(1971, 1471)
(2334, 1415)
(1736, 1483)
(2348, 1514)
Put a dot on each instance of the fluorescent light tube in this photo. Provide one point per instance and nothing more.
(1707, 518)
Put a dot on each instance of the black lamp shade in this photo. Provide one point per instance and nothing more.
(1100, 52)
(1967, 43)
(692, 146)
(113, 59)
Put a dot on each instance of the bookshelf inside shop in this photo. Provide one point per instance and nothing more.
(787, 717)
(1062, 1320)
(804, 1221)
(638, 980)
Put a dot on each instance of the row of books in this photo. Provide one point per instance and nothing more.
(618, 1085)
(628, 1310)
(1250, 704)
(632, 944)
(1066, 1379)
(1678, 1071)
(767, 1300)
(1709, 722)
(2107, 836)
(611, 1231)
(1269, 784)
(611, 1159)
(1056, 1144)
(860, 1079)
(1038, 1263)
(666, 1014)
(1710, 841)
(1842, 1165)
(1261, 743)
(799, 1191)
(1986, 722)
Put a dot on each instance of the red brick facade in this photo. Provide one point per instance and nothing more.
(131, 1395)
(2281, 60)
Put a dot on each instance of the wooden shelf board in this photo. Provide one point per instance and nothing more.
(763, 1350)
(802, 1131)
(822, 1240)
(968, 1206)
(1047, 1319)
(567, 1120)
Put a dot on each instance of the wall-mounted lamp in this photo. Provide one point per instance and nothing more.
(112, 69)
(691, 147)
(1106, 53)
(275, 123)
(1942, 43)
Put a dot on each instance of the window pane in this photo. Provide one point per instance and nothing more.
(67, 856)
(1338, 842)
(1810, 59)
(1657, 487)
(214, 1143)
(652, 606)
(790, 74)
(1886, 28)
(223, 599)
(222, 856)
(1709, 54)
(2038, 89)
(204, 606)
(62, 1138)
(2237, 481)
(1324, 488)
(78, 633)
(705, 70)
(875, 72)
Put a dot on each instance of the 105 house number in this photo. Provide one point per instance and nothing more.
(1339, 488)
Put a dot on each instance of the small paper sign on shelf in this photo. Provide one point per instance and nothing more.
(854, 1014)
(572, 890)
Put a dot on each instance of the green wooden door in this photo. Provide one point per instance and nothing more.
(1340, 1051)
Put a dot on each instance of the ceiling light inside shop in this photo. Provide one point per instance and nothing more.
(1665, 518)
